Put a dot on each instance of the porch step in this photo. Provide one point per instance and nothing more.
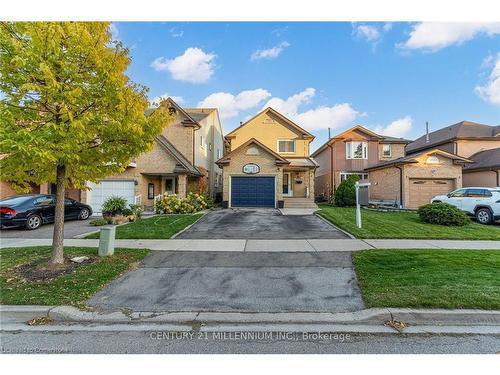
(299, 203)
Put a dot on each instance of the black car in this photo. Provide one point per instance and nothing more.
(33, 210)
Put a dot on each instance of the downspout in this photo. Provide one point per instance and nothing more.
(332, 173)
(400, 186)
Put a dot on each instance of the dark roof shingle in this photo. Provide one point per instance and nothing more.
(463, 129)
(484, 160)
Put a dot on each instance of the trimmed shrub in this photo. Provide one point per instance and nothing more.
(171, 204)
(443, 214)
(345, 195)
(136, 210)
(100, 222)
(113, 206)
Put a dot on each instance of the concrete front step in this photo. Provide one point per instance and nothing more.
(299, 203)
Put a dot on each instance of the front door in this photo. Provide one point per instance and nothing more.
(170, 185)
(287, 184)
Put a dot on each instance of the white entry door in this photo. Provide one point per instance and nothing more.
(105, 189)
(287, 184)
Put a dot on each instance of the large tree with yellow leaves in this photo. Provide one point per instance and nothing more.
(68, 111)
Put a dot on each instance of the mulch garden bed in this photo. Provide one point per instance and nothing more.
(40, 270)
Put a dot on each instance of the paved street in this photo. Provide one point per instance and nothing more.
(259, 223)
(161, 342)
(232, 281)
(72, 228)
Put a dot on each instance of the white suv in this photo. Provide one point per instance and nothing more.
(481, 202)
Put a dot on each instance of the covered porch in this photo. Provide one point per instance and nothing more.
(298, 183)
(156, 185)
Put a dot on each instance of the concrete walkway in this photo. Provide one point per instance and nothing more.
(311, 245)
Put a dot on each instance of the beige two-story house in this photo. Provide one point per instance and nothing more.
(268, 164)
(182, 160)
(351, 153)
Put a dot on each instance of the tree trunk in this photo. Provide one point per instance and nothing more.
(58, 237)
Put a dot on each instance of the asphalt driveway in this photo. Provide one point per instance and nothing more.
(236, 282)
(72, 228)
(260, 223)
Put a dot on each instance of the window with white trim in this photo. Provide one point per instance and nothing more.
(286, 145)
(345, 175)
(356, 150)
(202, 141)
(216, 182)
(218, 154)
(386, 151)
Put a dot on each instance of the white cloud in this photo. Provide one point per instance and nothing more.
(291, 104)
(321, 117)
(324, 117)
(490, 91)
(157, 99)
(175, 32)
(367, 32)
(193, 65)
(398, 128)
(433, 36)
(113, 29)
(270, 53)
(230, 105)
(387, 26)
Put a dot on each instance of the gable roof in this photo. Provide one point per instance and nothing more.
(227, 158)
(190, 121)
(199, 114)
(381, 138)
(409, 159)
(460, 130)
(183, 165)
(301, 130)
(487, 159)
(360, 128)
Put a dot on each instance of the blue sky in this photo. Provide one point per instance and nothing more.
(389, 77)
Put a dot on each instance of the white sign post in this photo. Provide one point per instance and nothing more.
(358, 206)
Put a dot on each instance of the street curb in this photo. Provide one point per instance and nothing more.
(336, 227)
(203, 212)
(22, 313)
(412, 317)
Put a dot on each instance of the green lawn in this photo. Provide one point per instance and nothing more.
(70, 289)
(452, 279)
(378, 224)
(157, 227)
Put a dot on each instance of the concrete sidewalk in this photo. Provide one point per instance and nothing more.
(310, 245)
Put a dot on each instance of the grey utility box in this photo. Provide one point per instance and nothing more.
(107, 241)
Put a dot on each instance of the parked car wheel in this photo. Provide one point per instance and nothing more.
(84, 214)
(484, 216)
(33, 222)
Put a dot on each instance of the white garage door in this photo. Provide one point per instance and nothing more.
(105, 189)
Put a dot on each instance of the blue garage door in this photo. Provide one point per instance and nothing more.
(252, 191)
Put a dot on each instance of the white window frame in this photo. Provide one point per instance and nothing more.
(344, 175)
(218, 154)
(286, 140)
(351, 146)
(390, 150)
(216, 182)
(202, 141)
